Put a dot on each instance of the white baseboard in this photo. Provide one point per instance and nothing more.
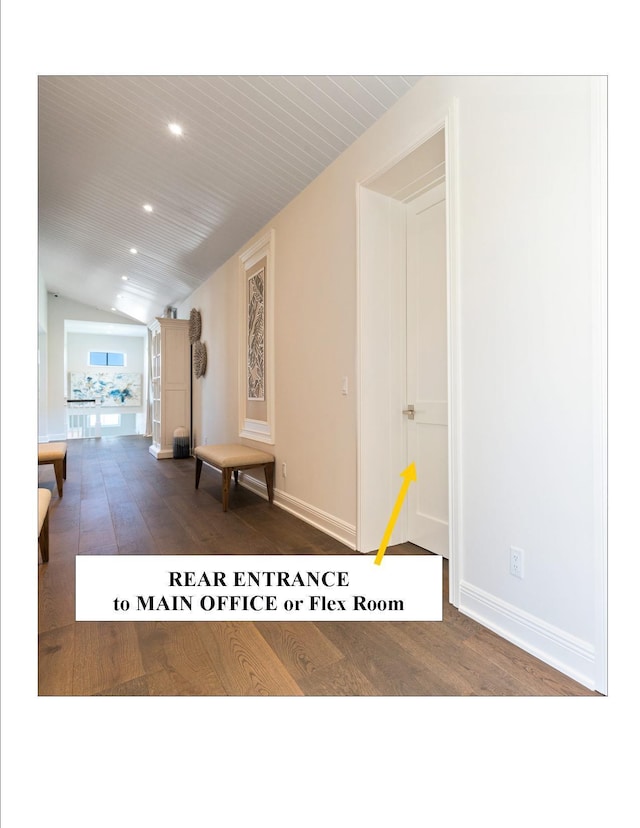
(52, 438)
(160, 454)
(330, 525)
(568, 654)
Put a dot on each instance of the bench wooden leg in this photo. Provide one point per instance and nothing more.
(59, 468)
(198, 470)
(268, 476)
(226, 483)
(43, 539)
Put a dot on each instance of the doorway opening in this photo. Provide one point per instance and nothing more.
(408, 350)
(104, 379)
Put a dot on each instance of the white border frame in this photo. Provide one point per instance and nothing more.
(261, 430)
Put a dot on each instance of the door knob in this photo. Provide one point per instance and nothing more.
(409, 411)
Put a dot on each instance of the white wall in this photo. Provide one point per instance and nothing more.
(530, 410)
(43, 413)
(315, 344)
(79, 345)
(531, 472)
(43, 307)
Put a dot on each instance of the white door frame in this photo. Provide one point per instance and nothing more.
(377, 383)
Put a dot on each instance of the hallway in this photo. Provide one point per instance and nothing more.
(119, 500)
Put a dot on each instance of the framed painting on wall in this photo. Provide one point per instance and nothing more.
(256, 368)
(106, 388)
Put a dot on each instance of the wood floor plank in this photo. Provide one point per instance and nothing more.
(288, 533)
(177, 649)
(102, 547)
(223, 532)
(67, 515)
(131, 532)
(442, 680)
(246, 664)
(368, 646)
(161, 683)
(437, 649)
(339, 679)
(63, 544)
(56, 654)
(488, 680)
(300, 646)
(100, 536)
(539, 678)
(92, 486)
(441, 648)
(56, 590)
(106, 654)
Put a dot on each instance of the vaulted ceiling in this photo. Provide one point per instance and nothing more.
(249, 145)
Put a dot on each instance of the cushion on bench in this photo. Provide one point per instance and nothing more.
(55, 453)
(48, 452)
(232, 456)
(44, 499)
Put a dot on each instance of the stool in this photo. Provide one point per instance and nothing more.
(232, 458)
(55, 453)
(44, 499)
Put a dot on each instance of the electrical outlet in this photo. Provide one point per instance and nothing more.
(516, 562)
(284, 469)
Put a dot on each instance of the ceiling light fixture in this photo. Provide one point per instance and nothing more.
(125, 278)
(133, 250)
(147, 208)
(176, 129)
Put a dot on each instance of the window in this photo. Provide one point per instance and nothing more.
(107, 358)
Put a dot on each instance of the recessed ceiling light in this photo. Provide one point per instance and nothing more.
(113, 309)
(133, 250)
(147, 208)
(125, 278)
(176, 129)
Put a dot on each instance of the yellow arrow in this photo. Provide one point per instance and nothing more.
(409, 474)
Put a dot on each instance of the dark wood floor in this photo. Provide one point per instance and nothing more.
(118, 500)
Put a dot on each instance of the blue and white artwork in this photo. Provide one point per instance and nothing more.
(106, 388)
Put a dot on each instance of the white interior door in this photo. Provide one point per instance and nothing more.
(427, 371)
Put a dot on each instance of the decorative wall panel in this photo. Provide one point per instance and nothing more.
(255, 336)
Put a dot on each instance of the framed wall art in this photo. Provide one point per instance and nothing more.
(106, 388)
(256, 370)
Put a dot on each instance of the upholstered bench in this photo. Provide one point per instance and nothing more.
(232, 458)
(56, 454)
(44, 499)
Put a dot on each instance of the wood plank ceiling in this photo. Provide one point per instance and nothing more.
(250, 144)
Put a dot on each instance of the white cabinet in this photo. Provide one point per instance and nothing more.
(170, 383)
